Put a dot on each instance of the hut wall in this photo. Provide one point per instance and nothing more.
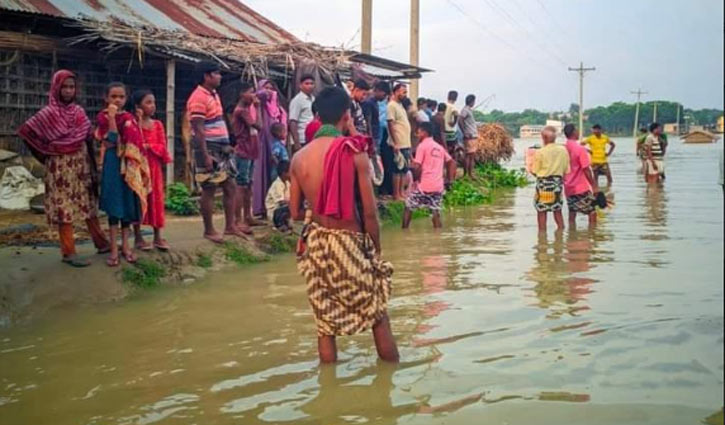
(25, 81)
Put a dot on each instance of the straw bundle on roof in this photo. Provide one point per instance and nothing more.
(254, 57)
(494, 143)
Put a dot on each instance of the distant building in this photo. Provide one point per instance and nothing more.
(530, 131)
(672, 128)
(699, 136)
(720, 124)
(558, 125)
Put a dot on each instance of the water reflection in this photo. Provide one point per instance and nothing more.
(559, 287)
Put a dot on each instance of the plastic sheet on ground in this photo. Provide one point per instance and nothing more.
(18, 187)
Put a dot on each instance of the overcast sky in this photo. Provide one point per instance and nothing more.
(520, 50)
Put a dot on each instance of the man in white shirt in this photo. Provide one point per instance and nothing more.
(300, 111)
(422, 114)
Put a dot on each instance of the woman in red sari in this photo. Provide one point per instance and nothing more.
(157, 156)
(57, 135)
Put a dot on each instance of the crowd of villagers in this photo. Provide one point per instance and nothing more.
(116, 162)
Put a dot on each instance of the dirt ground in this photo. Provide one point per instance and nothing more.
(34, 280)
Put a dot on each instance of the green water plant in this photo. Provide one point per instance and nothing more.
(204, 261)
(143, 274)
(242, 255)
(280, 243)
(179, 200)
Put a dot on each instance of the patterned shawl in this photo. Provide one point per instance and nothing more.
(134, 166)
(59, 128)
(270, 102)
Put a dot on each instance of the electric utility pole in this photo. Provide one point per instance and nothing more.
(366, 45)
(581, 70)
(414, 38)
(639, 94)
(654, 113)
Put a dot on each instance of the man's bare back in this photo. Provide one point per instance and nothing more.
(307, 171)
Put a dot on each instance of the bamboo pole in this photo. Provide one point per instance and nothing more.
(170, 97)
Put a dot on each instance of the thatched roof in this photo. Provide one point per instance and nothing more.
(249, 57)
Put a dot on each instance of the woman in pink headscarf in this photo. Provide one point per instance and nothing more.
(271, 112)
(57, 135)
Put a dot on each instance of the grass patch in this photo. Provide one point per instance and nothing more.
(204, 261)
(241, 255)
(178, 200)
(279, 243)
(143, 274)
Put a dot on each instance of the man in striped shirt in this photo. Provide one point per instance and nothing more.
(212, 150)
(655, 154)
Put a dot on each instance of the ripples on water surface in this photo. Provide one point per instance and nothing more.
(620, 325)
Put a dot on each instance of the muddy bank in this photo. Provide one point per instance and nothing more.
(35, 281)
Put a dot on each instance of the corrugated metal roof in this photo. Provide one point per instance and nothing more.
(214, 18)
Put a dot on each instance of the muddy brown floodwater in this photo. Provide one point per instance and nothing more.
(621, 325)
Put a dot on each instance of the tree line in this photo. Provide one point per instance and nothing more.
(617, 118)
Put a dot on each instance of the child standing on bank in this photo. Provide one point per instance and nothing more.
(125, 180)
(279, 150)
(157, 155)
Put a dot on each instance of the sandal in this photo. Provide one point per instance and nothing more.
(129, 257)
(162, 245)
(76, 261)
(112, 261)
(145, 246)
(217, 239)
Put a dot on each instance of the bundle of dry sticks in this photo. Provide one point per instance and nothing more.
(253, 57)
(494, 143)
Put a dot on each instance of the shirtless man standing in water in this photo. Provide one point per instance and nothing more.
(348, 284)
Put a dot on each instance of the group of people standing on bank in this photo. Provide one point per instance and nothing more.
(572, 171)
(116, 163)
(125, 181)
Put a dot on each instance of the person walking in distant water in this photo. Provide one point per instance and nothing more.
(399, 137)
(431, 160)
(213, 158)
(467, 123)
(655, 154)
(551, 163)
(579, 183)
(597, 145)
(348, 284)
(58, 136)
(300, 111)
(451, 122)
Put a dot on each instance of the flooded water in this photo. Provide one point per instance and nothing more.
(496, 325)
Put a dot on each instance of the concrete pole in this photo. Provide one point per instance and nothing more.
(677, 121)
(581, 70)
(639, 94)
(366, 45)
(414, 45)
(654, 113)
(170, 97)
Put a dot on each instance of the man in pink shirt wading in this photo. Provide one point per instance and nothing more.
(428, 165)
(579, 184)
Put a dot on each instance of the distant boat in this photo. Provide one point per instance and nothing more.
(699, 136)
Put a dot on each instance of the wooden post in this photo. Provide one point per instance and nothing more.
(366, 35)
(414, 39)
(170, 98)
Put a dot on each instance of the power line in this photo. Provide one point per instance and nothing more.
(501, 11)
(492, 34)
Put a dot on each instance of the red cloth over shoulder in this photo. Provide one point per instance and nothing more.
(336, 198)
